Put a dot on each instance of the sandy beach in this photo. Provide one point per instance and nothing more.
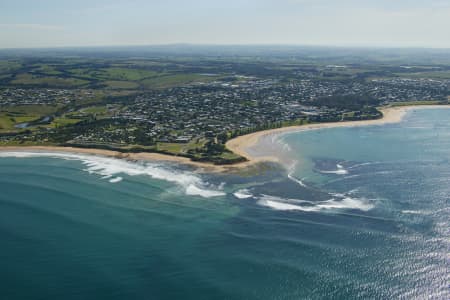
(237, 145)
(143, 156)
(394, 114)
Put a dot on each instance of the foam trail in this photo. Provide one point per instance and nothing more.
(292, 177)
(299, 205)
(340, 170)
(110, 167)
(363, 164)
(115, 180)
(243, 194)
(286, 147)
(300, 182)
(412, 212)
(282, 205)
(193, 190)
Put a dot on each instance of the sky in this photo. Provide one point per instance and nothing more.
(379, 23)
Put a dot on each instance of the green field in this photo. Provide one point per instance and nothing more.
(47, 70)
(175, 80)
(59, 122)
(428, 75)
(9, 66)
(179, 148)
(121, 85)
(29, 79)
(30, 109)
(127, 74)
(14, 115)
(410, 103)
(8, 121)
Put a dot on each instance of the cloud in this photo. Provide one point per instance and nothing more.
(31, 26)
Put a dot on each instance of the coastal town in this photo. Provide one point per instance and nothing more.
(195, 116)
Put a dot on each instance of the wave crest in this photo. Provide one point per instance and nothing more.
(346, 202)
(243, 194)
(111, 167)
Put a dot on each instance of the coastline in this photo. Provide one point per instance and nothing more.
(141, 156)
(391, 114)
(238, 145)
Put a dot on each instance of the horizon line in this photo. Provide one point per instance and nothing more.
(380, 47)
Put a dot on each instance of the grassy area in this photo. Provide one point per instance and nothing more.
(64, 121)
(47, 69)
(126, 74)
(95, 110)
(9, 66)
(30, 109)
(176, 80)
(428, 75)
(229, 156)
(9, 121)
(5, 76)
(25, 143)
(115, 84)
(179, 148)
(88, 74)
(348, 115)
(14, 115)
(29, 79)
(409, 103)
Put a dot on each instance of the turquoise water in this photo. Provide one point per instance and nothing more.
(363, 213)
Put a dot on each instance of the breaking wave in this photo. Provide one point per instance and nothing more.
(110, 168)
(412, 212)
(193, 190)
(243, 194)
(339, 171)
(337, 202)
(115, 180)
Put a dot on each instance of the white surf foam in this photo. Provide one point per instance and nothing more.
(363, 164)
(412, 212)
(340, 171)
(115, 180)
(300, 182)
(286, 147)
(331, 204)
(292, 177)
(110, 167)
(346, 203)
(193, 190)
(282, 205)
(243, 194)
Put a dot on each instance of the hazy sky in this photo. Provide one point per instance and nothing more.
(48, 23)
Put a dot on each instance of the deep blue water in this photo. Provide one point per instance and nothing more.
(361, 213)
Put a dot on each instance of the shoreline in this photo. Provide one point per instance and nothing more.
(391, 115)
(238, 145)
(140, 156)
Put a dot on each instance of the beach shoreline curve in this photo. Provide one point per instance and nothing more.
(238, 145)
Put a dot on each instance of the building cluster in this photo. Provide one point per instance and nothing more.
(40, 96)
(206, 110)
(182, 114)
(406, 89)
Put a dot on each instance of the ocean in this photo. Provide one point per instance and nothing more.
(354, 213)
